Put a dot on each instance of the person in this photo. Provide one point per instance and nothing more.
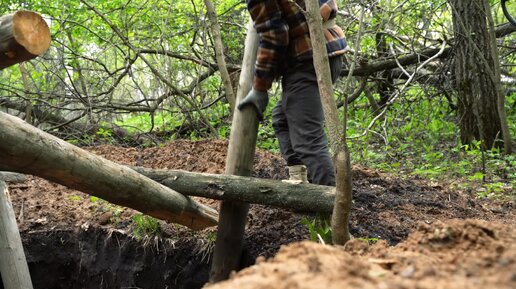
(285, 51)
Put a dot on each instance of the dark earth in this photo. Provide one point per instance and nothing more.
(409, 233)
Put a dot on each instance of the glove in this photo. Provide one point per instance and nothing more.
(258, 100)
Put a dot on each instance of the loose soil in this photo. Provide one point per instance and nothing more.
(409, 233)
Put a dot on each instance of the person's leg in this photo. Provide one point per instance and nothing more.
(281, 130)
(303, 110)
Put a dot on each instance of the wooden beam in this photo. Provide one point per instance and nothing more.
(26, 149)
(297, 197)
(242, 144)
(23, 36)
(13, 266)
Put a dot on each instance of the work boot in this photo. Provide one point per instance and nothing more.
(298, 173)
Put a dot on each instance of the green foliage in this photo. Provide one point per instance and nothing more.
(142, 122)
(319, 228)
(145, 226)
(74, 198)
(422, 139)
(369, 241)
(105, 134)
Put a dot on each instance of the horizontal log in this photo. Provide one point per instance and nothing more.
(12, 177)
(23, 36)
(297, 197)
(28, 150)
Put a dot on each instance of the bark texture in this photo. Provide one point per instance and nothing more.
(297, 197)
(477, 80)
(337, 135)
(242, 144)
(13, 266)
(219, 53)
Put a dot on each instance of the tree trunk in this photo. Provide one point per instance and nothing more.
(26, 149)
(13, 266)
(28, 101)
(500, 101)
(23, 36)
(219, 53)
(297, 197)
(242, 143)
(477, 80)
(337, 135)
(384, 84)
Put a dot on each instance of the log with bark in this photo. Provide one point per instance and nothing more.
(23, 36)
(26, 149)
(296, 197)
(13, 266)
(12, 177)
(239, 161)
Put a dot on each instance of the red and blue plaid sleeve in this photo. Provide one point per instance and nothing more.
(273, 31)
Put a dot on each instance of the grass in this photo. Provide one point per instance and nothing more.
(319, 228)
(145, 226)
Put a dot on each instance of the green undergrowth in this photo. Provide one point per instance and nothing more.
(319, 227)
(145, 226)
(422, 140)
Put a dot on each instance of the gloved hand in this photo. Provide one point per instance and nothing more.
(258, 100)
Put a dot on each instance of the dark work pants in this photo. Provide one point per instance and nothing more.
(298, 121)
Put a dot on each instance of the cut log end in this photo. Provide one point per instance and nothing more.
(31, 31)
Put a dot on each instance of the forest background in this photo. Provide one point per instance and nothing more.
(140, 73)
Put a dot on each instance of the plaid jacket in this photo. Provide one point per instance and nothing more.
(284, 36)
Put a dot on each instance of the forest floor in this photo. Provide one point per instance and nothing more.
(409, 233)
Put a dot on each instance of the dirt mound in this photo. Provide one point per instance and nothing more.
(454, 254)
(85, 242)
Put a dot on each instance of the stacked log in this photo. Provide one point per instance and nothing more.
(24, 35)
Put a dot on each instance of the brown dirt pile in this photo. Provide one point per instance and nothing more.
(454, 254)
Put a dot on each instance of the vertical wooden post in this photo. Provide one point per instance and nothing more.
(240, 158)
(337, 130)
(13, 266)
